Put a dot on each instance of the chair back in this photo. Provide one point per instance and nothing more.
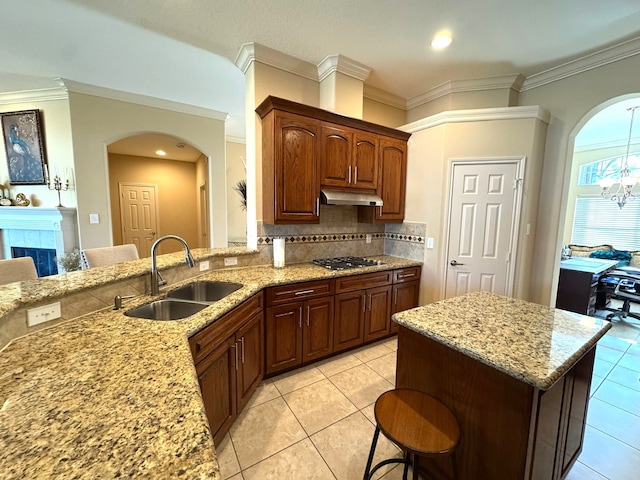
(98, 257)
(17, 270)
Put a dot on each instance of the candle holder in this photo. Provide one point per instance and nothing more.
(58, 187)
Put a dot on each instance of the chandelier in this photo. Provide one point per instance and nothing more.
(626, 183)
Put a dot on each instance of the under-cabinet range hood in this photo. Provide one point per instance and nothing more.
(330, 197)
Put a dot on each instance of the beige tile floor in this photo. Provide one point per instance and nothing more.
(317, 422)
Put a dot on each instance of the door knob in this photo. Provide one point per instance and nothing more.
(453, 263)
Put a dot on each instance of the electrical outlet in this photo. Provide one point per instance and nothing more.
(204, 266)
(229, 261)
(94, 218)
(368, 238)
(43, 314)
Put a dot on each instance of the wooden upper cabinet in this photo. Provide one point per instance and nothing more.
(365, 160)
(349, 158)
(305, 148)
(335, 167)
(392, 185)
(291, 187)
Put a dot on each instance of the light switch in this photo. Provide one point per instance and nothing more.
(94, 218)
(430, 242)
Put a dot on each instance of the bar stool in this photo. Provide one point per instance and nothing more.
(418, 424)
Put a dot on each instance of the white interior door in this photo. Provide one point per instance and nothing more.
(138, 215)
(483, 219)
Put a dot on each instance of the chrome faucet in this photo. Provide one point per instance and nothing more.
(155, 274)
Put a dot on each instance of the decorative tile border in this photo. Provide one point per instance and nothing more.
(342, 237)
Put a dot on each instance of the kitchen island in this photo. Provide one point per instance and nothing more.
(515, 374)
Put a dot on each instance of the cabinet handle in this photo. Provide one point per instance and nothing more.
(349, 174)
(406, 275)
(300, 319)
(318, 206)
(355, 176)
(395, 297)
(370, 302)
(308, 314)
(304, 292)
(242, 354)
(235, 349)
(364, 302)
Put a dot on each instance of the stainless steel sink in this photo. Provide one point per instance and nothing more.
(166, 309)
(204, 291)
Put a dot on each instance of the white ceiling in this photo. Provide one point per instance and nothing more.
(183, 50)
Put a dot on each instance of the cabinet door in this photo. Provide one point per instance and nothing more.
(378, 314)
(393, 177)
(284, 337)
(365, 160)
(336, 169)
(348, 320)
(250, 341)
(297, 148)
(317, 328)
(404, 297)
(217, 378)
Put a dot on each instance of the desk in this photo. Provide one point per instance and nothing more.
(578, 284)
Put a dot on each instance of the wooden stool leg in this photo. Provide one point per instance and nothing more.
(374, 442)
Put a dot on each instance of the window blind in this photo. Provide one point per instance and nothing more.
(600, 221)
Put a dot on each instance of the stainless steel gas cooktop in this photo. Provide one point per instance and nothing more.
(344, 263)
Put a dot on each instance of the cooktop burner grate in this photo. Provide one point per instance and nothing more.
(344, 263)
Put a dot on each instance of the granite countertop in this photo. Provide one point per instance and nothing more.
(531, 342)
(106, 395)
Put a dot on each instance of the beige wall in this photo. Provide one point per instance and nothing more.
(97, 122)
(383, 114)
(177, 196)
(56, 126)
(202, 183)
(571, 101)
(428, 176)
(236, 171)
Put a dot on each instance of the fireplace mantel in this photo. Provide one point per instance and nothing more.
(38, 227)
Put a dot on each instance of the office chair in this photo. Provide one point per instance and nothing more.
(627, 289)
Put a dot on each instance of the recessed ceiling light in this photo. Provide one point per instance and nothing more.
(162, 153)
(441, 40)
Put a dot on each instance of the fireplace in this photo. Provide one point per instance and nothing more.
(44, 232)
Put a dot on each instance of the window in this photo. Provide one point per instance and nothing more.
(592, 173)
(600, 221)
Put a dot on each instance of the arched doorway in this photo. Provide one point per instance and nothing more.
(158, 185)
(600, 145)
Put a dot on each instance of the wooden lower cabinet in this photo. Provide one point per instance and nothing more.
(217, 379)
(404, 296)
(298, 332)
(349, 320)
(378, 313)
(229, 360)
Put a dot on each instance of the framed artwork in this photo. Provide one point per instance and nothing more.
(24, 146)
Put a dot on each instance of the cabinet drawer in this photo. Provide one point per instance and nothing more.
(360, 282)
(299, 291)
(406, 274)
(212, 335)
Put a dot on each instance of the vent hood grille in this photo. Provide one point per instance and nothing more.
(330, 197)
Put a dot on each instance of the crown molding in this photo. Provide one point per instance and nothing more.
(87, 89)
(255, 52)
(598, 59)
(232, 139)
(341, 64)
(478, 115)
(383, 96)
(37, 95)
(472, 85)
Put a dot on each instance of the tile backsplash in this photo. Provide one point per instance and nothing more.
(340, 234)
